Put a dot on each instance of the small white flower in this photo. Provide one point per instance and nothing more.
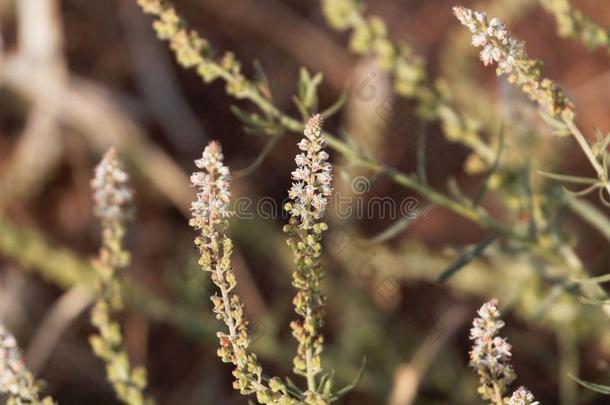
(487, 55)
(479, 39)
(301, 173)
(522, 397)
(296, 190)
(481, 17)
(497, 29)
(301, 159)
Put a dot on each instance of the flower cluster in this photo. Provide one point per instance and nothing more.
(309, 195)
(490, 354)
(209, 213)
(522, 396)
(490, 357)
(111, 193)
(499, 46)
(112, 197)
(213, 195)
(311, 190)
(15, 379)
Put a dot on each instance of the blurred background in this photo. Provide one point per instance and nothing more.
(78, 76)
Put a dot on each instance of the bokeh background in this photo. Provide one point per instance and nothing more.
(78, 76)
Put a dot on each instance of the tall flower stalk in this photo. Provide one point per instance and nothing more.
(490, 357)
(309, 193)
(16, 381)
(210, 212)
(500, 47)
(112, 199)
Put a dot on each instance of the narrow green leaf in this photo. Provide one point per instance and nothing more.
(397, 227)
(262, 80)
(336, 106)
(421, 153)
(269, 146)
(307, 92)
(602, 389)
(590, 214)
(310, 98)
(353, 384)
(568, 178)
(593, 280)
(326, 384)
(466, 258)
(301, 107)
(583, 192)
(293, 388)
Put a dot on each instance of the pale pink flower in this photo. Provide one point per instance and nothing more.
(313, 175)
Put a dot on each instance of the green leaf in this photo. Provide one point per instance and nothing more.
(397, 227)
(559, 128)
(254, 123)
(568, 178)
(326, 384)
(269, 146)
(353, 384)
(466, 258)
(307, 92)
(590, 214)
(335, 107)
(422, 139)
(602, 389)
(293, 388)
(593, 280)
(301, 107)
(262, 81)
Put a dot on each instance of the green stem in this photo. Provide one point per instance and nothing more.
(586, 148)
(311, 378)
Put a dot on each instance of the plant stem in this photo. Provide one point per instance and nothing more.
(586, 148)
(498, 399)
(311, 378)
